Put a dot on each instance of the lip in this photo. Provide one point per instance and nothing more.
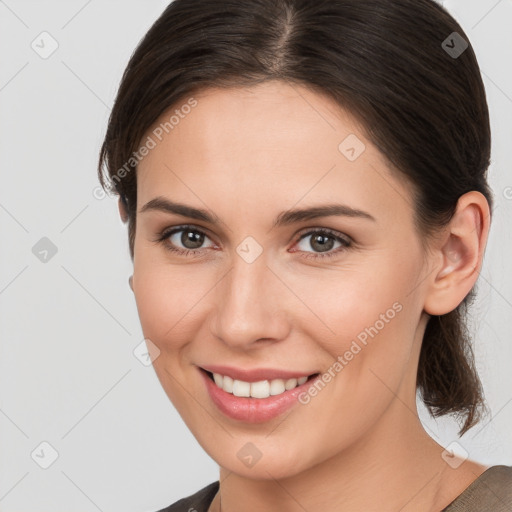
(256, 374)
(253, 410)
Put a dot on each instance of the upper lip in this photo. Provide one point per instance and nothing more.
(255, 374)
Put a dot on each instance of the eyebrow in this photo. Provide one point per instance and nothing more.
(285, 218)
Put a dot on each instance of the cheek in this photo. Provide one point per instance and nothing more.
(369, 352)
(168, 299)
(361, 307)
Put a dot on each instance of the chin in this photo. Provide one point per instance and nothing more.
(260, 460)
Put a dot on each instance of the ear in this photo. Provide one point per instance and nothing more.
(122, 210)
(459, 255)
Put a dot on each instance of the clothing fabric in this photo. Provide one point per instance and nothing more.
(490, 492)
(198, 502)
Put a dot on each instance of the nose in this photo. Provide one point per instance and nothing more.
(250, 306)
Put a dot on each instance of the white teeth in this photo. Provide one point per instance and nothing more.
(277, 387)
(290, 384)
(218, 379)
(227, 383)
(260, 389)
(241, 388)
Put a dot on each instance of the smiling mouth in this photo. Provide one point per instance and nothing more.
(258, 390)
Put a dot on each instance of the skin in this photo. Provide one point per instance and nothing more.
(247, 154)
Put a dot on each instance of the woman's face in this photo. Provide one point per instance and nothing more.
(263, 289)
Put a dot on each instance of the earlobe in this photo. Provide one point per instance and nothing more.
(461, 255)
(122, 210)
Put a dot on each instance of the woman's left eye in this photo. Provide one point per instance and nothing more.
(324, 239)
(191, 238)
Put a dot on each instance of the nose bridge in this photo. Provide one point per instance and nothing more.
(247, 309)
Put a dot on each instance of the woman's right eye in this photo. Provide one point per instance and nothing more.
(189, 237)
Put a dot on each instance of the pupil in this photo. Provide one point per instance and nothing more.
(193, 238)
(323, 245)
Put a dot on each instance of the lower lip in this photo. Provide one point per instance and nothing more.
(253, 410)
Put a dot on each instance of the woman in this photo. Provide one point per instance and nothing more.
(305, 190)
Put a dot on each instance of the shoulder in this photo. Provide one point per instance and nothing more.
(492, 490)
(198, 502)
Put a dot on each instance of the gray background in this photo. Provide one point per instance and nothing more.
(69, 326)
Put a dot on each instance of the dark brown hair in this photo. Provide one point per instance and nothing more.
(392, 64)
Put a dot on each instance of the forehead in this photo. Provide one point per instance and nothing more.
(271, 144)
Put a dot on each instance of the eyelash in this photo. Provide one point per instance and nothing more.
(345, 241)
